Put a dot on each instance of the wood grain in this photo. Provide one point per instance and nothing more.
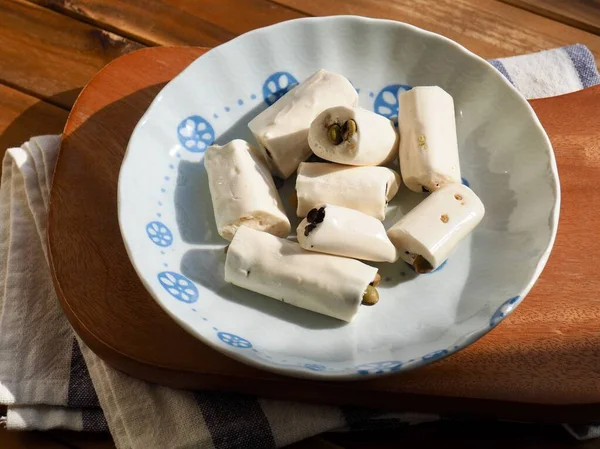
(51, 56)
(547, 352)
(23, 116)
(175, 22)
(487, 27)
(62, 54)
(583, 14)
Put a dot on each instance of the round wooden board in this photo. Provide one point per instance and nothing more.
(548, 351)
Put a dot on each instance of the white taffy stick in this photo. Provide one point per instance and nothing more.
(282, 270)
(367, 189)
(345, 232)
(242, 190)
(428, 234)
(428, 145)
(353, 136)
(282, 129)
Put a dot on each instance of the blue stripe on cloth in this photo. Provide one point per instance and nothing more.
(81, 392)
(584, 63)
(500, 67)
(235, 421)
(93, 420)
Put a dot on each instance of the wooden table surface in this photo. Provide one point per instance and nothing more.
(49, 49)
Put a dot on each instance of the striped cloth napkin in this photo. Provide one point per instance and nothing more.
(50, 379)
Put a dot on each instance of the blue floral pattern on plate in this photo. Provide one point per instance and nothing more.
(195, 134)
(178, 286)
(277, 85)
(386, 101)
(234, 340)
(159, 233)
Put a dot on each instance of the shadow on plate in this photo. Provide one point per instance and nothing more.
(193, 205)
(239, 129)
(393, 274)
(491, 242)
(206, 267)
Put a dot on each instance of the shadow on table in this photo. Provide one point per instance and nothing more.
(42, 117)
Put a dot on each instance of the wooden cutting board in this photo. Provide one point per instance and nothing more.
(542, 363)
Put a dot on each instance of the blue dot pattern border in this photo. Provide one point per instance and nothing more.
(277, 85)
(386, 101)
(503, 310)
(178, 286)
(379, 367)
(195, 134)
(435, 355)
(315, 367)
(159, 234)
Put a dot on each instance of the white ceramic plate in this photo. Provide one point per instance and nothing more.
(167, 221)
